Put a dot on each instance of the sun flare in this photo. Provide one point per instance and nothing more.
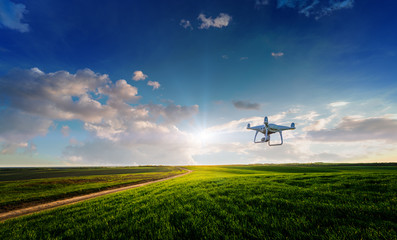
(205, 136)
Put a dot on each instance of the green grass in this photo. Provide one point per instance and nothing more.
(233, 202)
(68, 182)
(11, 174)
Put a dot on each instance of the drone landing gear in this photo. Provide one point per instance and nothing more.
(255, 138)
(277, 144)
(267, 139)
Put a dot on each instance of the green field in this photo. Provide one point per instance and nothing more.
(233, 202)
(22, 187)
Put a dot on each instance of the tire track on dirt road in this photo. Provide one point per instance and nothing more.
(68, 201)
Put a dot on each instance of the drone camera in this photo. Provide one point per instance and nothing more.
(265, 139)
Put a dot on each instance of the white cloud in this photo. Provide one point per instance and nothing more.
(18, 128)
(219, 22)
(12, 148)
(278, 54)
(235, 125)
(35, 99)
(243, 58)
(316, 8)
(121, 90)
(338, 104)
(334, 5)
(139, 76)
(141, 142)
(11, 16)
(150, 120)
(309, 116)
(58, 95)
(319, 124)
(154, 84)
(351, 129)
(186, 24)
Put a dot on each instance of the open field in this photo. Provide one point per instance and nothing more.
(233, 202)
(22, 187)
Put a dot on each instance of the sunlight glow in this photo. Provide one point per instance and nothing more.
(205, 136)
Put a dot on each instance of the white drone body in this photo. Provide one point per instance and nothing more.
(268, 129)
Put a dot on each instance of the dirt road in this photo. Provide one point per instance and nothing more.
(45, 206)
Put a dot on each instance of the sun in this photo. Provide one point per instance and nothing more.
(204, 136)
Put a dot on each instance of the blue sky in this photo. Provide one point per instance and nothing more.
(171, 82)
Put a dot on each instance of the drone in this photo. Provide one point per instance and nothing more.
(268, 129)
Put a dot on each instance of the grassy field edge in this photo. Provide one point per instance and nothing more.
(138, 178)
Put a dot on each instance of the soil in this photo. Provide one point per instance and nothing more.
(72, 200)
